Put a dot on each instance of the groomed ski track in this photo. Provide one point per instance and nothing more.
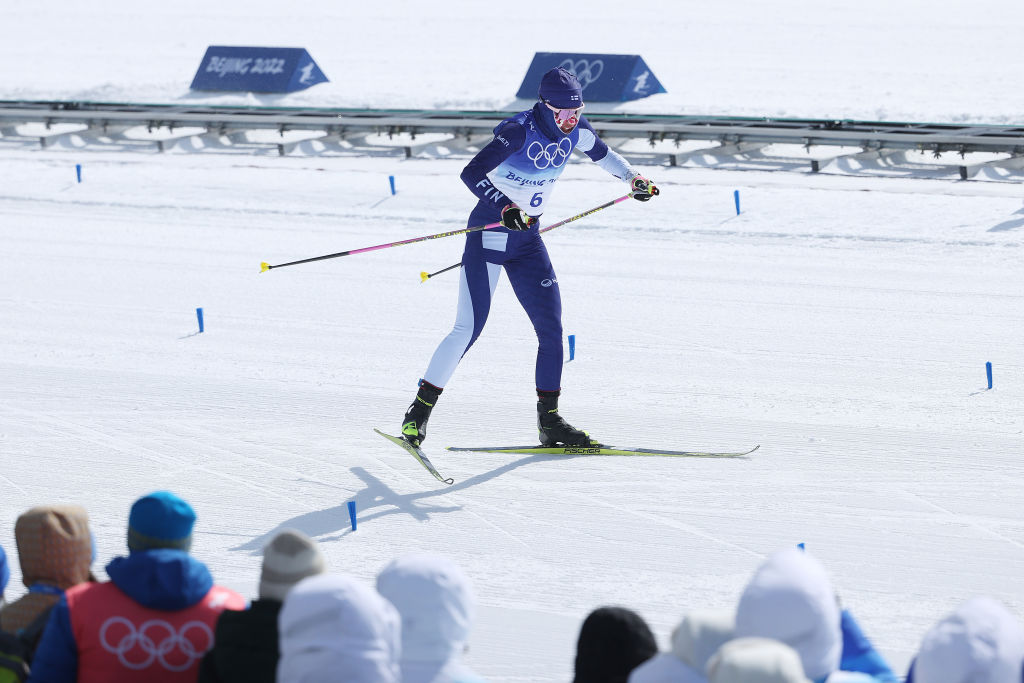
(841, 322)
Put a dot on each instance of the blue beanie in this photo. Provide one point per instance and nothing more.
(160, 520)
(561, 89)
(5, 571)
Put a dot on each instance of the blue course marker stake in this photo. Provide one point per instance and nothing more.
(391, 179)
(352, 513)
(572, 346)
(199, 315)
(736, 196)
(78, 172)
(801, 546)
(988, 371)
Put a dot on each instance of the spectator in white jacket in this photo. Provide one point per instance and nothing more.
(435, 601)
(756, 660)
(333, 628)
(980, 642)
(790, 599)
(697, 637)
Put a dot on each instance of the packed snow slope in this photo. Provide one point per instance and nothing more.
(843, 323)
(913, 60)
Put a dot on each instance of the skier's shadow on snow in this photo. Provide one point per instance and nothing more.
(378, 500)
(1011, 224)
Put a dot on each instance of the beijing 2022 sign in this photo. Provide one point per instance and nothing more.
(605, 78)
(257, 69)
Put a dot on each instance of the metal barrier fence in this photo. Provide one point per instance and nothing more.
(809, 145)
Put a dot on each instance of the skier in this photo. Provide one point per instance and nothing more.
(512, 177)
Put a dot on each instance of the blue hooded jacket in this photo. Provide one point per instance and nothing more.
(5, 572)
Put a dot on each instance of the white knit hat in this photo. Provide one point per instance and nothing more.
(756, 660)
(289, 557)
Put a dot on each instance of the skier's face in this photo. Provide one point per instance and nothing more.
(565, 119)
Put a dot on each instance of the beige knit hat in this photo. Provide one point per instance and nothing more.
(289, 557)
(756, 660)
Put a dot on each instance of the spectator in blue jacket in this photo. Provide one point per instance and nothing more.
(5, 575)
(153, 622)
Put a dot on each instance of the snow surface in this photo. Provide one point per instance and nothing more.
(912, 60)
(843, 323)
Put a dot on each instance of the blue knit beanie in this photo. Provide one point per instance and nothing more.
(160, 520)
(5, 571)
(561, 89)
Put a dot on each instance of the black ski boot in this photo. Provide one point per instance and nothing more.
(414, 426)
(553, 429)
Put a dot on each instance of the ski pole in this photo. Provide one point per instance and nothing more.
(266, 266)
(424, 276)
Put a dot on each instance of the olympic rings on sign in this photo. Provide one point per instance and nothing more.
(553, 155)
(155, 639)
(586, 72)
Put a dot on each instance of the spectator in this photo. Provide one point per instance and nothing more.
(55, 551)
(980, 642)
(246, 643)
(613, 641)
(435, 601)
(334, 628)
(5, 575)
(790, 598)
(859, 654)
(697, 637)
(756, 660)
(152, 622)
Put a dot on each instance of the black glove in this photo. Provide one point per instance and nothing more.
(514, 218)
(643, 189)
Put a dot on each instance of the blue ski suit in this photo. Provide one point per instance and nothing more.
(520, 165)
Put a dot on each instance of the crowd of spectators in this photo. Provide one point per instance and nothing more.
(162, 618)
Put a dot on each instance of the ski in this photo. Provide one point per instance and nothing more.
(417, 453)
(603, 450)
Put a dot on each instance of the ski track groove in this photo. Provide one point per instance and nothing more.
(206, 433)
(12, 483)
(678, 526)
(118, 443)
(964, 519)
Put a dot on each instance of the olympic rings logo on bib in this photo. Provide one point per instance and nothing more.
(156, 640)
(552, 155)
(585, 71)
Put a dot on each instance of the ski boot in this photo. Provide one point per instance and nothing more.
(554, 430)
(414, 425)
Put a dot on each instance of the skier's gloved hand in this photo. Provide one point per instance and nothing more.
(643, 189)
(514, 218)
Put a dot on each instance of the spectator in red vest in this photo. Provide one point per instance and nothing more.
(153, 622)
